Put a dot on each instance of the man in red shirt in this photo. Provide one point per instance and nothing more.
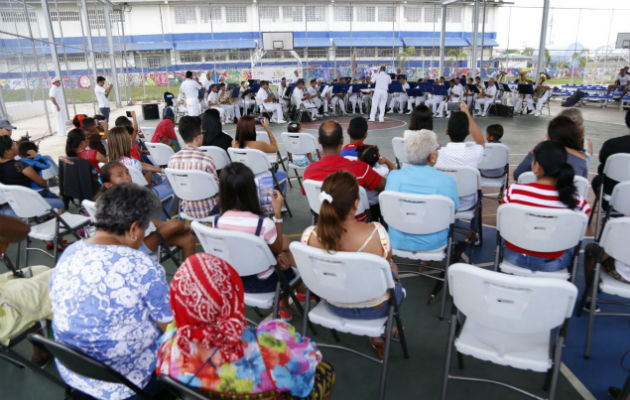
(358, 131)
(331, 140)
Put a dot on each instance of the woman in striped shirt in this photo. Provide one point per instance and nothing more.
(553, 189)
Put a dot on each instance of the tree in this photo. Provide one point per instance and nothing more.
(528, 51)
(402, 56)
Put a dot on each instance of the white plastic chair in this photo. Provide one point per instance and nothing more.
(418, 214)
(580, 182)
(249, 255)
(495, 156)
(180, 139)
(620, 199)
(137, 177)
(273, 159)
(29, 205)
(313, 188)
(160, 153)
(258, 162)
(219, 156)
(398, 145)
(192, 185)
(510, 320)
(349, 277)
(617, 168)
(614, 242)
(148, 132)
(542, 230)
(299, 144)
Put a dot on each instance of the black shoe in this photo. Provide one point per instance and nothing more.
(587, 308)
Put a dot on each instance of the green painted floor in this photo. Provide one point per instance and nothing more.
(420, 376)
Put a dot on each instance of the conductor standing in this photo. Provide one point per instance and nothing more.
(379, 99)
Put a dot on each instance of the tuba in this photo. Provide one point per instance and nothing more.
(522, 80)
(540, 89)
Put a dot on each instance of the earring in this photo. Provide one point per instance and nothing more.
(135, 238)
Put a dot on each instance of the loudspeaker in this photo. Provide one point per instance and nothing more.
(150, 111)
(501, 110)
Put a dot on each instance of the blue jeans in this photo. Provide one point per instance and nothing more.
(52, 199)
(538, 263)
(280, 175)
(162, 190)
(367, 312)
(105, 112)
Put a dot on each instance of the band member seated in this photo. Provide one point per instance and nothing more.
(300, 98)
(455, 95)
(486, 97)
(400, 98)
(268, 102)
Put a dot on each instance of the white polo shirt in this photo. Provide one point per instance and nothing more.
(296, 97)
(190, 88)
(462, 154)
(623, 80)
(57, 93)
(381, 81)
(101, 98)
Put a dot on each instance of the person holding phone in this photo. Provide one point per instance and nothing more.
(101, 96)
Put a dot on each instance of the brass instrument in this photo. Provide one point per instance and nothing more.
(225, 97)
(501, 79)
(540, 89)
(522, 80)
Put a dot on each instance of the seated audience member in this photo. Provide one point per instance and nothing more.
(15, 172)
(458, 153)
(77, 120)
(301, 160)
(95, 136)
(620, 144)
(494, 133)
(110, 300)
(29, 154)
(165, 134)
(338, 230)
(134, 131)
(241, 212)
(575, 115)
(420, 177)
(76, 146)
(172, 232)
(553, 189)
(421, 118)
(6, 128)
(211, 128)
(358, 131)
(370, 155)
(564, 131)
(191, 158)
(209, 337)
(168, 112)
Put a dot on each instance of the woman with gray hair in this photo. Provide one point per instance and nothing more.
(421, 149)
(110, 300)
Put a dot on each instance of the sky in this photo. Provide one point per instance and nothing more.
(594, 26)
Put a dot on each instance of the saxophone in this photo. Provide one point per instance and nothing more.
(540, 89)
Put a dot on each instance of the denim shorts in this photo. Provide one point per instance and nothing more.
(538, 263)
(379, 311)
(253, 284)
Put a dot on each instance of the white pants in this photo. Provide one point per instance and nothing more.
(517, 102)
(469, 101)
(193, 108)
(541, 102)
(354, 100)
(60, 119)
(220, 110)
(400, 99)
(338, 101)
(379, 100)
(274, 108)
(309, 106)
(483, 102)
(317, 101)
(434, 102)
(228, 112)
(285, 105)
(417, 100)
(244, 104)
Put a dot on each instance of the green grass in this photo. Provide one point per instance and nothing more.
(87, 95)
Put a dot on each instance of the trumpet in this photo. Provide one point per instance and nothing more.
(540, 87)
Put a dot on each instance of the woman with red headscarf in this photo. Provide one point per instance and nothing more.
(165, 133)
(208, 347)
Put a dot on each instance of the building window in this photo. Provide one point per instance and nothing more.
(96, 19)
(18, 16)
(387, 14)
(188, 57)
(292, 13)
(320, 52)
(207, 14)
(343, 52)
(366, 14)
(276, 54)
(315, 13)
(64, 16)
(454, 14)
(343, 13)
(432, 14)
(430, 51)
(413, 14)
(153, 62)
(236, 14)
(364, 52)
(217, 55)
(185, 15)
(385, 52)
(269, 13)
(239, 55)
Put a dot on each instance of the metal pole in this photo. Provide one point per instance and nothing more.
(3, 110)
(90, 44)
(394, 38)
(65, 56)
(483, 37)
(110, 43)
(306, 38)
(443, 41)
(144, 88)
(53, 51)
(166, 52)
(214, 58)
(473, 69)
(121, 26)
(543, 38)
(21, 57)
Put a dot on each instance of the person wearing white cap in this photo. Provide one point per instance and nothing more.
(58, 105)
(6, 128)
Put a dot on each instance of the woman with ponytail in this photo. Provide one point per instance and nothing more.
(554, 188)
(338, 230)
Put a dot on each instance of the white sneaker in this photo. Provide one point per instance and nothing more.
(408, 112)
(537, 114)
(371, 120)
(381, 120)
(280, 121)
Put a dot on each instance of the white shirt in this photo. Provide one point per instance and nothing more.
(261, 96)
(623, 270)
(190, 88)
(623, 80)
(382, 81)
(405, 87)
(282, 91)
(99, 91)
(296, 97)
(213, 97)
(462, 154)
(491, 90)
(312, 91)
(57, 93)
(456, 92)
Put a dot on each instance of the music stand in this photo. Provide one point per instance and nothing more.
(505, 87)
(472, 88)
(235, 91)
(525, 88)
(395, 87)
(440, 90)
(340, 88)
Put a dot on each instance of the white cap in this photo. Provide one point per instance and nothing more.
(55, 79)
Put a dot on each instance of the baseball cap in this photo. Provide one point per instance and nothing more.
(5, 124)
(54, 79)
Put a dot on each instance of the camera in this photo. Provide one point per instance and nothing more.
(453, 106)
(259, 120)
(129, 114)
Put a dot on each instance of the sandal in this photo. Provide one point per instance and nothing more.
(285, 314)
(378, 344)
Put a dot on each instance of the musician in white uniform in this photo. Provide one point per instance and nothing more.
(326, 96)
(213, 101)
(355, 98)
(244, 101)
(455, 95)
(436, 99)
(225, 102)
(300, 98)
(265, 100)
(486, 97)
(313, 92)
(282, 95)
(542, 99)
(381, 82)
(400, 98)
(58, 105)
(190, 88)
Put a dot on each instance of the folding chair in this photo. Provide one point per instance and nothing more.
(80, 363)
(581, 183)
(510, 320)
(419, 214)
(249, 255)
(614, 242)
(495, 156)
(160, 153)
(617, 168)
(300, 144)
(619, 203)
(51, 175)
(138, 178)
(398, 145)
(259, 163)
(349, 277)
(313, 188)
(468, 181)
(30, 206)
(183, 391)
(219, 156)
(148, 132)
(542, 230)
(192, 185)
(264, 137)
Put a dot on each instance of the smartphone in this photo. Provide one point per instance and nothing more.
(259, 120)
(453, 106)
(129, 114)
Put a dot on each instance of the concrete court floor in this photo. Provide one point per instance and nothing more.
(420, 376)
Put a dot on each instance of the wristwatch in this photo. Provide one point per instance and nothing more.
(276, 220)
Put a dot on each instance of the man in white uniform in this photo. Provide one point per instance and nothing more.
(486, 98)
(436, 99)
(355, 98)
(313, 92)
(400, 98)
(58, 105)
(213, 101)
(299, 98)
(455, 95)
(190, 88)
(381, 82)
(264, 99)
(101, 96)
(282, 95)
(327, 96)
(225, 102)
